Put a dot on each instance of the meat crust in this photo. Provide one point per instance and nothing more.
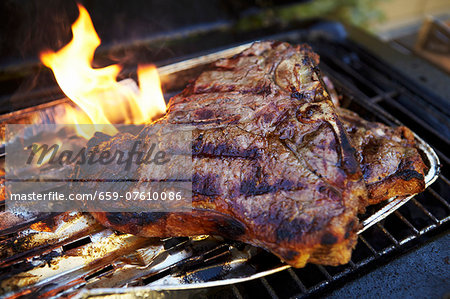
(391, 164)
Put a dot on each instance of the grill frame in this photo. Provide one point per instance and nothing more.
(332, 278)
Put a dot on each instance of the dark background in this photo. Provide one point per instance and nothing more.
(30, 26)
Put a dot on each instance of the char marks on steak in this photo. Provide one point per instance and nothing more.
(390, 162)
(273, 164)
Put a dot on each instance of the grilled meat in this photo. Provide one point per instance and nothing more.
(273, 165)
(391, 164)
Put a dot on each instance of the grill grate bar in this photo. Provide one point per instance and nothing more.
(388, 234)
(236, 292)
(365, 261)
(297, 280)
(421, 207)
(368, 245)
(349, 87)
(352, 264)
(401, 217)
(346, 84)
(383, 96)
(324, 272)
(411, 115)
(269, 288)
(354, 74)
(429, 228)
(364, 101)
(442, 156)
(438, 197)
(408, 88)
(407, 239)
(441, 176)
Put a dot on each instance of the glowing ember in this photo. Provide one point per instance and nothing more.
(96, 91)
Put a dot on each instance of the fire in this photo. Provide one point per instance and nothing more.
(104, 101)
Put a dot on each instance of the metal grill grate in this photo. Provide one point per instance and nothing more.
(368, 87)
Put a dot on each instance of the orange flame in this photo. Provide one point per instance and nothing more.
(96, 91)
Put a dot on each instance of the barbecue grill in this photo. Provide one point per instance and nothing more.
(41, 253)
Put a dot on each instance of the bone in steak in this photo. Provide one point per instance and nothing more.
(273, 165)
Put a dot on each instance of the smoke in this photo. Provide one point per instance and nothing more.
(28, 27)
